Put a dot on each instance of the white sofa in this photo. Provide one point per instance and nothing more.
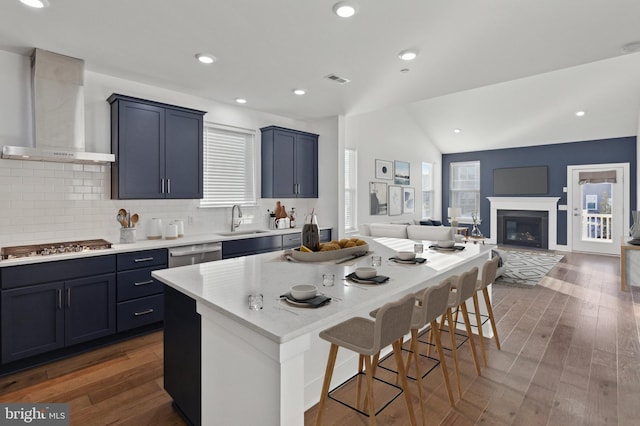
(423, 232)
(412, 232)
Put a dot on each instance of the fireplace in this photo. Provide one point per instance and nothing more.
(526, 228)
(536, 204)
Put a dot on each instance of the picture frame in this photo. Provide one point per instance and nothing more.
(395, 200)
(408, 200)
(402, 175)
(384, 169)
(377, 198)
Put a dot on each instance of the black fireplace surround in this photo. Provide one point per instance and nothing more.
(525, 228)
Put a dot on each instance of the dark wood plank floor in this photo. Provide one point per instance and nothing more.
(570, 356)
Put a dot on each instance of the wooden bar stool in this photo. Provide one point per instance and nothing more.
(489, 271)
(432, 303)
(462, 290)
(367, 337)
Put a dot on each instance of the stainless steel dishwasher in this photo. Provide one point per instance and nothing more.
(196, 253)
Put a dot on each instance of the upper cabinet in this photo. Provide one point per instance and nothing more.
(158, 149)
(289, 163)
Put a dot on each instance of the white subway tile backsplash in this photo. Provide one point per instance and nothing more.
(53, 202)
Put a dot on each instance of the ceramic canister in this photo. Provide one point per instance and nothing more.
(155, 229)
(172, 231)
(180, 224)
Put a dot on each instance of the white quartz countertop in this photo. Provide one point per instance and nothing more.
(225, 285)
(150, 244)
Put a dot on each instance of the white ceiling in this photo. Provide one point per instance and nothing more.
(489, 67)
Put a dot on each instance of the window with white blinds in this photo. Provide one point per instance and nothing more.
(229, 167)
(427, 190)
(350, 187)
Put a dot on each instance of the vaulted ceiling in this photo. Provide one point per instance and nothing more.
(507, 73)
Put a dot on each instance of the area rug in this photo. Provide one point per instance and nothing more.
(527, 268)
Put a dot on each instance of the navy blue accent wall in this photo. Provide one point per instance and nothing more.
(557, 157)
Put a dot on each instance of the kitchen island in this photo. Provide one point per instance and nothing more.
(267, 366)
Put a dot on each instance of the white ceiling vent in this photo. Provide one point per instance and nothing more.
(338, 79)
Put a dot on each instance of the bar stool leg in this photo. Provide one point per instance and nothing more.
(476, 306)
(369, 373)
(331, 362)
(454, 350)
(359, 381)
(487, 302)
(397, 352)
(443, 362)
(467, 324)
(414, 349)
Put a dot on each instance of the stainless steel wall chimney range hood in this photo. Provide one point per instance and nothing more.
(58, 99)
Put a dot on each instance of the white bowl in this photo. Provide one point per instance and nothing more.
(366, 272)
(405, 255)
(446, 243)
(304, 291)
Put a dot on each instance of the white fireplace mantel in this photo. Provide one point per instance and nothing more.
(548, 204)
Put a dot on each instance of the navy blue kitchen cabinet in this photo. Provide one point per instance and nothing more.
(48, 306)
(158, 149)
(140, 296)
(289, 163)
(248, 246)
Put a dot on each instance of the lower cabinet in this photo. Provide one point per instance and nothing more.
(140, 296)
(183, 354)
(257, 245)
(40, 318)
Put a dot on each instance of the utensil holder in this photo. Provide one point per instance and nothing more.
(127, 235)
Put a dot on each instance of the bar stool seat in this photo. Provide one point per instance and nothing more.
(367, 337)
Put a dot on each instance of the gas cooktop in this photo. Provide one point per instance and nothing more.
(49, 249)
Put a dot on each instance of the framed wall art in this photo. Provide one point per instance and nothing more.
(401, 173)
(377, 198)
(384, 169)
(395, 200)
(408, 200)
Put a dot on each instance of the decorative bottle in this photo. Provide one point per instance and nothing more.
(292, 218)
(310, 233)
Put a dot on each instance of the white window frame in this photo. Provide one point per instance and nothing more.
(466, 216)
(350, 189)
(229, 166)
(427, 188)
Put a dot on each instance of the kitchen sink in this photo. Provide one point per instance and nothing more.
(247, 232)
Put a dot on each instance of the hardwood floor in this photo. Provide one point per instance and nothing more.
(570, 356)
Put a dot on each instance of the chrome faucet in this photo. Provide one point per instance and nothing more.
(235, 224)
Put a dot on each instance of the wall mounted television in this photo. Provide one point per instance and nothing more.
(520, 181)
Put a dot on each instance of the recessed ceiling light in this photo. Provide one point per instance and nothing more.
(345, 9)
(580, 113)
(206, 58)
(457, 130)
(38, 4)
(299, 92)
(408, 55)
(241, 100)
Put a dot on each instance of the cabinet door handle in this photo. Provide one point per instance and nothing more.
(143, 259)
(69, 297)
(168, 186)
(143, 283)
(147, 312)
(162, 183)
(59, 298)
